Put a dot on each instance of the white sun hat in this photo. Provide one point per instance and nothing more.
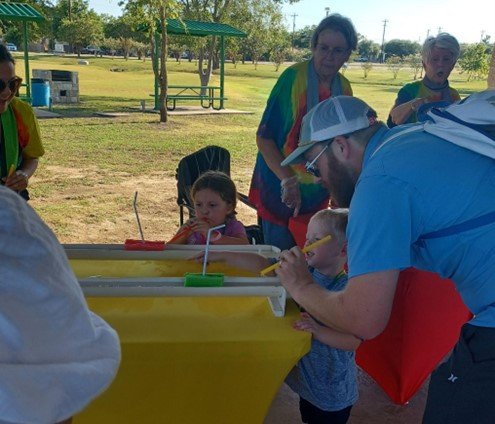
(335, 116)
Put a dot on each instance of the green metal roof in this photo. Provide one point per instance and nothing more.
(198, 28)
(19, 12)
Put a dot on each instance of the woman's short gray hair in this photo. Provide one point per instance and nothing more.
(441, 41)
(338, 23)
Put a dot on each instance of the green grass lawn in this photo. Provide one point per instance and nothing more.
(92, 165)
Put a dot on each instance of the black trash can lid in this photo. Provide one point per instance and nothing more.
(37, 80)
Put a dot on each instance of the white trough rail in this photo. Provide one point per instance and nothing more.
(270, 287)
(176, 251)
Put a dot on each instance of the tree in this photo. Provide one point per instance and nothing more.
(302, 37)
(82, 30)
(367, 67)
(123, 29)
(401, 48)
(415, 62)
(369, 49)
(474, 61)
(154, 14)
(395, 64)
(491, 75)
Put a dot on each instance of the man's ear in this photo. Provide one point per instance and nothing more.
(341, 147)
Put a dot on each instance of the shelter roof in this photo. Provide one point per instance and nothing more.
(199, 28)
(19, 12)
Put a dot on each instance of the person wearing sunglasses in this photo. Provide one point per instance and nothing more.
(280, 193)
(20, 141)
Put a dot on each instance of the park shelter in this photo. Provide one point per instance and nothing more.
(199, 29)
(24, 13)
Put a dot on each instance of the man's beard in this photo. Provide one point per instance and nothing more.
(340, 183)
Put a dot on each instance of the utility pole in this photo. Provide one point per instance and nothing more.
(327, 11)
(383, 39)
(293, 29)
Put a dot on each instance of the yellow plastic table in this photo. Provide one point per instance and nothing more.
(191, 359)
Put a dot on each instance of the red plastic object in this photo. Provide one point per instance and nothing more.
(298, 226)
(424, 326)
(131, 244)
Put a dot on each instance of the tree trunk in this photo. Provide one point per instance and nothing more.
(491, 73)
(204, 74)
(163, 66)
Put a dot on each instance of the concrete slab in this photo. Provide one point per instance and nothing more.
(111, 114)
(198, 110)
(45, 114)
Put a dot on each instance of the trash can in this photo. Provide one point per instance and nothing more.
(40, 92)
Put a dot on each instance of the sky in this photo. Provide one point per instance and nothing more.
(467, 20)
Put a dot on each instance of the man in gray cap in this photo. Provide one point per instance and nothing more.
(420, 195)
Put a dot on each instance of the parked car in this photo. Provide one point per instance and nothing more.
(361, 59)
(11, 47)
(91, 50)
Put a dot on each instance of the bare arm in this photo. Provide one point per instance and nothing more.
(244, 260)
(362, 309)
(327, 335)
(19, 180)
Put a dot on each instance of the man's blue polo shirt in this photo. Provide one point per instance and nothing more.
(417, 184)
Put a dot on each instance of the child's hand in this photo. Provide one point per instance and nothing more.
(199, 226)
(307, 323)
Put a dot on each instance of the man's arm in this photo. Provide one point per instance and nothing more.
(362, 309)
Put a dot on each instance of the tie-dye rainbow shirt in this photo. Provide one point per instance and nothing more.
(281, 123)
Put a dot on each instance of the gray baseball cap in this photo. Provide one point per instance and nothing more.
(335, 116)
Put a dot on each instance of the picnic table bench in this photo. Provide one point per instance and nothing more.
(208, 95)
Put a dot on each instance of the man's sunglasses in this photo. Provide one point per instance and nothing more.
(311, 166)
(13, 84)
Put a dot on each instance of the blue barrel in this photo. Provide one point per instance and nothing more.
(40, 92)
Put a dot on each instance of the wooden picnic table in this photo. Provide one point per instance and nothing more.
(208, 95)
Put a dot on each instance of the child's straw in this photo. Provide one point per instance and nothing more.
(134, 205)
(182, 233)
(205, 259)
(306, 249)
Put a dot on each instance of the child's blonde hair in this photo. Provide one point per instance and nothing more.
(334, 220)
(220, 183)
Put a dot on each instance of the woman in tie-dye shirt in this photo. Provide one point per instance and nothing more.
(281, 192)
(440, 54)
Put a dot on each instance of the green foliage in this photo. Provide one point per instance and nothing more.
(367, 67)
(82, 30)
(415, 62)
(302, 37)
(401, 48)
(395, 64)
(367, 48)
(474, 61)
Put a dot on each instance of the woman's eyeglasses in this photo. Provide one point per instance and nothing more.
(311, 166)
(325, 50)
(12, 84)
